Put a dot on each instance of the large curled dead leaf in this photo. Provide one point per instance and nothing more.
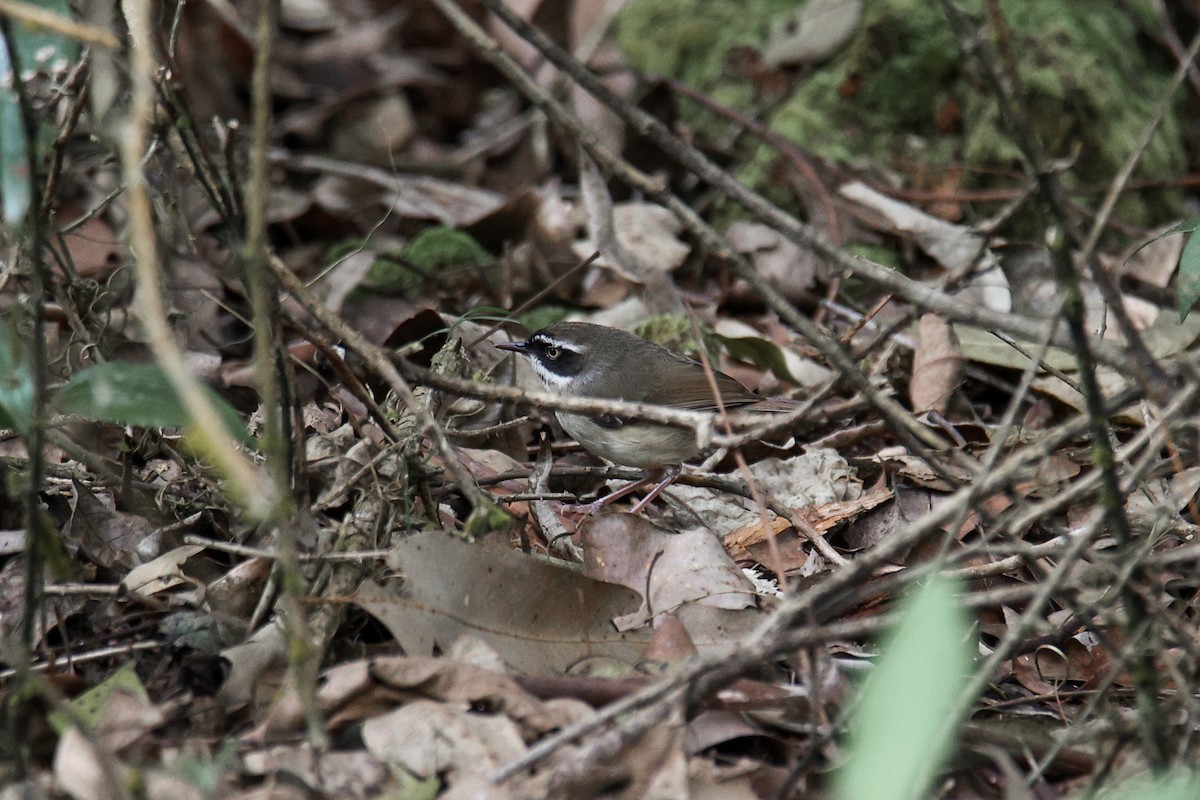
(955, 247)
(541, 618)
(668, 569)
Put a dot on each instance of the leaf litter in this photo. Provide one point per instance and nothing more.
(426, 202)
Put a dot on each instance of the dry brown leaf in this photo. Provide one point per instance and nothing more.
(374, 130)
(1167, 497)
(822, 517)
(409, 196)
(95, 249)
(670, 570)
(780, 260)
(161, 573)
(362, 690)
(255, 668)
(648, 235)
(1049, 668)
(334, 773)
(815, 477)
(1155, 263)
(956, 247)
(937, 366)
(711, 728)
(85, 774)
(125, 719)
(110, 538)
(237, 592)
(427, 738)
(671, 641)
(910, 503)
(652, 766)
(813, 33)
(899, 461)
(11, 542)
(540, 618)
(489, 463)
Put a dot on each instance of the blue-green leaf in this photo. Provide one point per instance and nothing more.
(38, 50)
(901, 732)
(1180, 785)
(16, 381)
(134, 394)
(14, 149)
(1189, 270)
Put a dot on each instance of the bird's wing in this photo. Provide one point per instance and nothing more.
(681, 383)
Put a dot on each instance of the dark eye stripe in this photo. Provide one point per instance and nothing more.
(555, 356)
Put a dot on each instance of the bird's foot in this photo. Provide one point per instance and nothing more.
(664, 478)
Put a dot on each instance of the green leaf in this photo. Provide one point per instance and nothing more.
(762, 353)
(134, 394)
(38, 50)
(16, 381)
(89, 706)
(1188, 284)
(1181, 785)
(406, 785)
(14, 147)
(900, 733)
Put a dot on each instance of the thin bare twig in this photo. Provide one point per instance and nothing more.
(36, 541)
(305, 650)
(916, 437)
(485, 514)
(821, 600)
(659, 134)
(1154, 741)
(800, 161)
(35, 15)
(1121, 179)
(242, 479)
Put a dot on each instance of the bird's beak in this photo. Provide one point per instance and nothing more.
(516, 347)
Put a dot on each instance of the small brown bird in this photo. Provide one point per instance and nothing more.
(579, 359)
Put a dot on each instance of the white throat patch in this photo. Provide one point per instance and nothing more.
(551, 380)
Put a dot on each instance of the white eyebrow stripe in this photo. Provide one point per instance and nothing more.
(550, 341)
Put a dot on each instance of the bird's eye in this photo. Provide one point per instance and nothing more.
(552, 352)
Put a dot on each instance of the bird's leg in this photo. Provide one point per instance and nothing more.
(665, 478)
(669, 475)
(596, 505)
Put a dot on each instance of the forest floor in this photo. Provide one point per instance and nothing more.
(278, 518)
